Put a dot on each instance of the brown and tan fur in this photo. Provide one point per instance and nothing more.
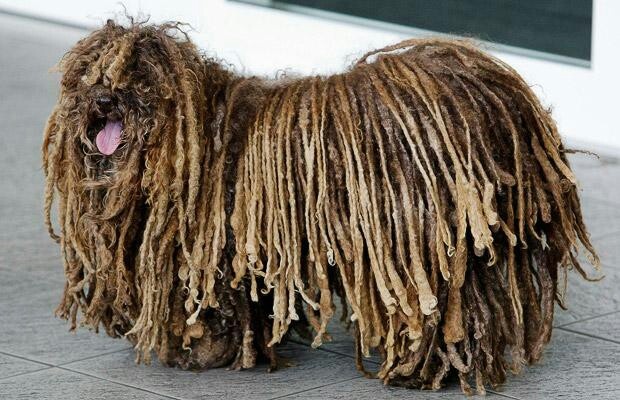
(426, 185)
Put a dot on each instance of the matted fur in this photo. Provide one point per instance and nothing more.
(428, 187)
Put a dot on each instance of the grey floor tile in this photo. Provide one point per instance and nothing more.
(608, 249)
(11, 366)
(60, 384)
(25, 247)
(605, 326)
(602, 218)
(573, 367)
(311, 369)
(342, 341)
(29, 329)
(589, 299)
(29, 50)
(31, 251)
(599, 192)
(367, 389)
(30, 264)
(600, 181)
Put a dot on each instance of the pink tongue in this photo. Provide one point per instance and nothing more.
(109, 137)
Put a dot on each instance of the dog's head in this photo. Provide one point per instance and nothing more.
(132, 100)
(123, 89)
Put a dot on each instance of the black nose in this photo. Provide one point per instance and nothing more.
(104, 102)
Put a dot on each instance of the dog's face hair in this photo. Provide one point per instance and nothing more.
(109, 103)
(117, 122)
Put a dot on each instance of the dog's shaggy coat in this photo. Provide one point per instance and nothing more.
(426, 186)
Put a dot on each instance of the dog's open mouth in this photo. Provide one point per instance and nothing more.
(109, 138)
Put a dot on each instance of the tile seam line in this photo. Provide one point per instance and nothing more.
(48, 364)
(76, 371)
(503, 395)
(27, 359)
(93, 356)
(320, 348)
(314, 388)
(588, 318)
(589, 335)
(25, 373)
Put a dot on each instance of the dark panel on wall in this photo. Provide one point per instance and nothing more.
(562, 27)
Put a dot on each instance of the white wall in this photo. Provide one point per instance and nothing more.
(264, 41)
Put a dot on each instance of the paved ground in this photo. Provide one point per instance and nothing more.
(40, 359)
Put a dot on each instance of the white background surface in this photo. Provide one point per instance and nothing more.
(263, 41)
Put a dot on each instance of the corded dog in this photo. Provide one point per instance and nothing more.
(204, 214)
